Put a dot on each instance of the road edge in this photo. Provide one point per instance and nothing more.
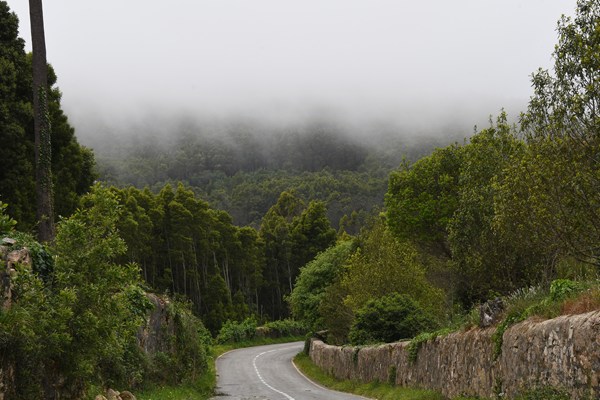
(321, 386)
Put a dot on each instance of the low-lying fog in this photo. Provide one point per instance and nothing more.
(437, 67)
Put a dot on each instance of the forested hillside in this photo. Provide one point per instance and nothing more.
(242, 168)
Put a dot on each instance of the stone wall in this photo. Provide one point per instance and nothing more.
(563, 352)
(158, 332)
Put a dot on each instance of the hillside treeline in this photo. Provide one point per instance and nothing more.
(243, 168)
(509, 211)
(185, 247)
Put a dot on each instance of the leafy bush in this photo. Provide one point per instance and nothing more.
(313, 281)
(42, 261)
(562, 288)
(388, 319)
(192, 342)
(74, 319)
(6, 222)
(235, 332)
(187, 357)
(286, 327)
(383, 265)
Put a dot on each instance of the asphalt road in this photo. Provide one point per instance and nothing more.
(267, 372)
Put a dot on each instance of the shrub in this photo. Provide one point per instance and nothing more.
(75, 316)
(286, 327)
(313, 281)
(388, 319)
(563, 288)
(6, 222)
(235, 332)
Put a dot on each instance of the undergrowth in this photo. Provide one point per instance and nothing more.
(564, 296)
(561, 297)
(204, 386)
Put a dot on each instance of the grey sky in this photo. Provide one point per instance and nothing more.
(404, 61)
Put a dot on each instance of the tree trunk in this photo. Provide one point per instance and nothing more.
(41, 119)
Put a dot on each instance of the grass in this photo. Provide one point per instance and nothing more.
(183, 392)
(204, 387)
(201, 389)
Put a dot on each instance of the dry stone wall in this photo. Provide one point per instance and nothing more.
(563, 352)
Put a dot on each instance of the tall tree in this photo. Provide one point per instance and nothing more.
(41, 118)
(558, 180)
(422, 198)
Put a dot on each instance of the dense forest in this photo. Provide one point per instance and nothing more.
(243, 167)
(310, 222)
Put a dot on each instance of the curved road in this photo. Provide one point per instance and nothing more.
(267, 372)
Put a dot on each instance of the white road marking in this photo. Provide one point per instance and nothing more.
(287, 396)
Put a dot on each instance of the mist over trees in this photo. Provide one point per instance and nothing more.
(242, 167)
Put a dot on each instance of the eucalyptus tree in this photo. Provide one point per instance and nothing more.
(41, 118)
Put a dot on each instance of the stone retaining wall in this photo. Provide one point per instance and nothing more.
(563, 352)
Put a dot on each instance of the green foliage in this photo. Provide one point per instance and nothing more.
(293, 235)
(188, 359)
(556, 183)
(95, 290)
(392, 375)
(544, 393)
(422, 198)
(286, 328)
(42, 261)
(233, 332)
(6, 222)
(185, 247)
(336, 314)
(389, 319)
(311, 233)
(537, 301)
(562, 288)
(383, 265)
(244, 168)
(313, 281)
(513, 317)
(486, 259)
(75, 321)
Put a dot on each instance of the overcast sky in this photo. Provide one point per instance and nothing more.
(403, 61)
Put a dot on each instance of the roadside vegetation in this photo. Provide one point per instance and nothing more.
(233, 335)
